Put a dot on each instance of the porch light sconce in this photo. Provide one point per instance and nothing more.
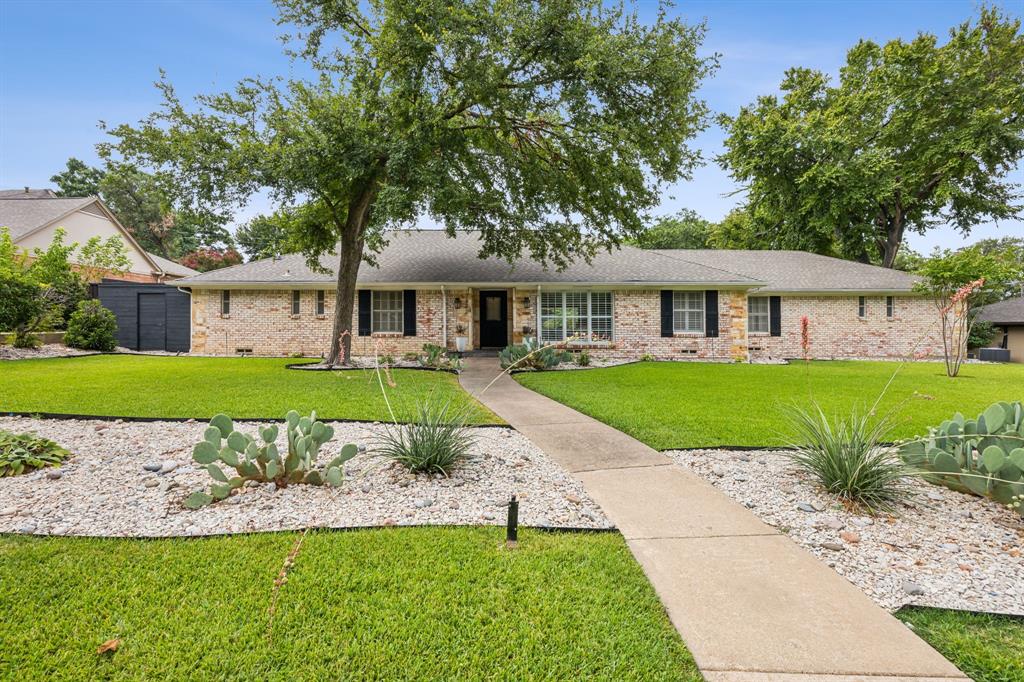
(526, 301)
(458, 302)
(527, 329)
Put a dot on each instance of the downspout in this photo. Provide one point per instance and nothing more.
(444, 319)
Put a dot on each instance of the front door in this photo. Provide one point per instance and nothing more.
(493, 319)
(152, 322)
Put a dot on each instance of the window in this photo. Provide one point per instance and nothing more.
(862, 307)
(386, 312)
(688, 311)
(320, 302)
(584, 316)
(890, 307)
(758, 321)
(296, 302)
(225, 302)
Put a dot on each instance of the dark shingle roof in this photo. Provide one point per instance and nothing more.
(22, 215)
(172, 268)
(430, 256)
(1010, 312)
(27, 193)
(795, 271)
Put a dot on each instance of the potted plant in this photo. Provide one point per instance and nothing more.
(461, 340)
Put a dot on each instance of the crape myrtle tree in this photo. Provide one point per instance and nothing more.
(548, 126)
(914, 134)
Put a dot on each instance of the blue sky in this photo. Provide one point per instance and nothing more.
(65, 65)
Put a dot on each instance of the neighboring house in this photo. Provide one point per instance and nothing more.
(33, 215)
(705, 305)
(1008, 318)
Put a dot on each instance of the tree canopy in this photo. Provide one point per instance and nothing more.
(269, 235)
(144, 208)
(912, 135)
(684, 230)
(548, 126)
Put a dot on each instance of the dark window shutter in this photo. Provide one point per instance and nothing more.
(409, 312)
(711, 312)
(666, 312)
(775, 315)
(364, 312)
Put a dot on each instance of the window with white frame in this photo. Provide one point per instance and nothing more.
(320, 302)
(583, 316)
(757, 315)
(225, 302)
(688, 311)
(386, 311)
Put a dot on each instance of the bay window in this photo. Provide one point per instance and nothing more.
(583, 316)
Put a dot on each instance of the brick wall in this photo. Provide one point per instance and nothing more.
(262, 321)
(836, 331)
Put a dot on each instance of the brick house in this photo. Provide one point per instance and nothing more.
(427, 287)
(32, 216)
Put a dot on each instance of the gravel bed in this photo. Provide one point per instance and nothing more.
(105, 489)
(47, 350)
(945, 549)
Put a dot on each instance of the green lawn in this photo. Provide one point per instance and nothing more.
(155, 386)
(397, 604)
(986, 648)
(681, 405)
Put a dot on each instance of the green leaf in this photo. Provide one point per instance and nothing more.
(197, 500)
(269, 434)
(217, 473)
(229, 456)
(223, 424)
(237, 441)
(220, 490)
(335, 476)
(212, 434)
(995, 418)
(946, 463)
(1017, 457)
(273, 468)
(205, 452)
(993, 458)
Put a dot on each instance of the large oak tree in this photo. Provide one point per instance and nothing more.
(914, 134)
(548, 126)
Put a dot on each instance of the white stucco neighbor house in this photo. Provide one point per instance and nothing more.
(33, 215)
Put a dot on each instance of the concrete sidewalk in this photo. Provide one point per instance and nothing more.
(749, 603)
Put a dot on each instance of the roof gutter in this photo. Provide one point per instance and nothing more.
(319, 284)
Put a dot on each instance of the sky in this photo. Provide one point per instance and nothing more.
(66, 65)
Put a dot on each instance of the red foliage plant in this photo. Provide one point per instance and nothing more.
(208, 259)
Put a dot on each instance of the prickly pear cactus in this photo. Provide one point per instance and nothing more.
(983, 456)
(258, 459)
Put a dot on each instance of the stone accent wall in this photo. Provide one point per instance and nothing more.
(836, 331)
(261, 321)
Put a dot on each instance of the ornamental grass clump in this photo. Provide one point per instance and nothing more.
(850, 459)
(436, 442)
(21, 453)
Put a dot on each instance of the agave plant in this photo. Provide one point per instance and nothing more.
(434, 443)
(260, 460)
(849, 458)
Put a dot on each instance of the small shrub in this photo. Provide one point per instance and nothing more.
(528, 355)
(410, 356)
(297, 354)
(435, 443)
(849, 459)
(92, 327)
(436, 357)
(21, 453)
(646, 357)
(387, 360)
(583, 358)
(23, 338)
(259, 460)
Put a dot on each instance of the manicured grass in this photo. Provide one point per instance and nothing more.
(682, 405)
(139, 386)
(396, 604)
(986, 648)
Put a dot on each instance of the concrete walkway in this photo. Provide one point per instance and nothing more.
(749, 603)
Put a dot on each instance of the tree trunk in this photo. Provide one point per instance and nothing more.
(890, 241)
(353, 239)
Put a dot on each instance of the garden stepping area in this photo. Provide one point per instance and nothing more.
(128, 479)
